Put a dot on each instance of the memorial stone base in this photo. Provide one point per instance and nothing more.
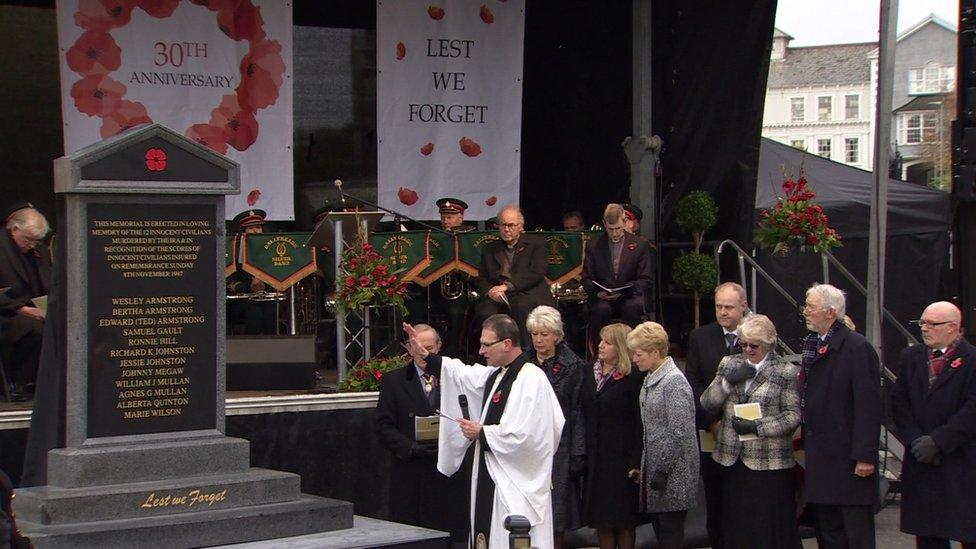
(186, 493)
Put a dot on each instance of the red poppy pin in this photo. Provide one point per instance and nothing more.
(956, 363)
(822, 350)
(617, 376)
(556, 367)
(631, 246)
(497, 397)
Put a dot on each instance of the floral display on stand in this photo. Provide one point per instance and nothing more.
(367, 375)
(367, 280)
(795, 221)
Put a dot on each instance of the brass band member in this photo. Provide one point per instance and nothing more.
(256, 317)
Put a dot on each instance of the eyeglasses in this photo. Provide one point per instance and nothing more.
(486, 345)
(745, 345)
(921, 323)
(510, 226)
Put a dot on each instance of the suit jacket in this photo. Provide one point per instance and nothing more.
(938, 500)
(706, 348)
(841, 420)
(17, 286)
(635, 265)
(775, 389)
(415, 484)
(527, 274)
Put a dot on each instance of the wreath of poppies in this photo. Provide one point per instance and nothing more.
(96, 55)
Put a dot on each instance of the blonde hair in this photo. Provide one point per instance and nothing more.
(616, 335)
(648, 336)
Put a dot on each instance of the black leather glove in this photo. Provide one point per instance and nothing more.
(577, 466)
(745, 426)
(422, 450)
(926, 450)
(743, 372)
(658, 480)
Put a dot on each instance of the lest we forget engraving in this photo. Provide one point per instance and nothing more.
(151, 317)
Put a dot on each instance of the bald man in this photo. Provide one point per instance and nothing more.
(934, 409)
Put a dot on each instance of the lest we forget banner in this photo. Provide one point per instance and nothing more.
(449, 104)
(218, 72)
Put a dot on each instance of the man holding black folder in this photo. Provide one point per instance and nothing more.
(419, 494)
(616, 274)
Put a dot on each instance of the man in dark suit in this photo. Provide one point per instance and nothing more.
(707, 346)
(616, 259)
(419, 494)
(841, 412)
(25, 274)
(512, 276)
(934, 409)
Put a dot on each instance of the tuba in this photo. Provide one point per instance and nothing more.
(452, 286)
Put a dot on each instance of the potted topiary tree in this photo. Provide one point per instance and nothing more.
(696, 272)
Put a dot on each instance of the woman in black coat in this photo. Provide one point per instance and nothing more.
(611, 416)
(565, 370)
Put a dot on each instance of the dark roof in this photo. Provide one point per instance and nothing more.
(822, 65)
(926, 103)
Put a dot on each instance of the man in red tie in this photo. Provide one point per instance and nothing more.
(934, 410)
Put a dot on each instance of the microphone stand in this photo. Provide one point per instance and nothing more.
(397, 216)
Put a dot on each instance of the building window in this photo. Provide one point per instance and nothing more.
(851, 152)
(824, 107)
(797, 109)
(823, 147)
(918, 128)
(799, 144)
(933, 78)
(852, 107)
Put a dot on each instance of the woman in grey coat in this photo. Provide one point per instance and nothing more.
(668, 476)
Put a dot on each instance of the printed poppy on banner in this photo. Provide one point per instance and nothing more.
(486, 15)
(469, 147)
(253, 197)
(956, 363)
(401, 51)
(408, 197)
(155, 160)
(435, 12)
(427, 149)
(491, 201)
(497, 397)
(822, 350)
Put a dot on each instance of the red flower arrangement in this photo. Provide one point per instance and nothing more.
(795, 221)
(95, 55)
(367, 280)
(367, 375)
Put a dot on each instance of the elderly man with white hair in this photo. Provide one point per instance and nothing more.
(934, 409)
(25, 274)
(840, 395)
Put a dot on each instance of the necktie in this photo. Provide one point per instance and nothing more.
(729, 342)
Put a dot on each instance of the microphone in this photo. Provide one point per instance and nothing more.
(342, 195)
(463, 402)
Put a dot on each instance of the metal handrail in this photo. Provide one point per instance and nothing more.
(743, 256)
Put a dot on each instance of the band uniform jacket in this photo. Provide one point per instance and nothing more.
(527, 274)
(635, 265)
(416, 486)
(938, 500)
(18, 287)
(706, 349)
(775, 389)
(841, 420)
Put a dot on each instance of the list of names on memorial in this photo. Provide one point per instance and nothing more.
(151, 303)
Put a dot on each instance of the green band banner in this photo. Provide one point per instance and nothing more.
(565, 254)
(469, 249)
(443, 258)
(230, 254)
(278, 259)
(407, 252)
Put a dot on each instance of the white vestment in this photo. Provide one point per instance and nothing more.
(522, 445)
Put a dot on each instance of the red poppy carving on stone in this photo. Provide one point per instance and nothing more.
(94, 52)
(262, 71)
(239, 126)
(128, 115)
(486, 15)
(469, 147)
(401, 51)
(97, 95)
(435, 12)
(155, 159)
(158, 8)
(208, 136)
(243, 22)
(408, 197)
(427, 149)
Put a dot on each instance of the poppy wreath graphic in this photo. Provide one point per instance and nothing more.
(95, 55)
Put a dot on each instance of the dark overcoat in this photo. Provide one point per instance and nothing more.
(614, 438)
(634, 267)
(938, 500)
(706, 348)
(416, 486)
(18, 286)
(527, 274)
(841, 420)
